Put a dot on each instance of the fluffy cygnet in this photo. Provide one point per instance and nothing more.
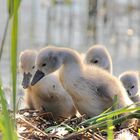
(92, 88)
(98, 55)
(48, 94)
(130, 80)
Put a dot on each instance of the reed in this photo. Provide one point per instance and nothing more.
(6, 122)
(13, 13)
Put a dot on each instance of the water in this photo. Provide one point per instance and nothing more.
(70, 25)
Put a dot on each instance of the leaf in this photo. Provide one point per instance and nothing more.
(6, 124)
(51, 128)
(70, 129)
(109, 115)
(139, 132)
(12, 6)
(110, 128)
(14, 42)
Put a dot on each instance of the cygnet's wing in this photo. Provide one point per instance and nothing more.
(101, 90)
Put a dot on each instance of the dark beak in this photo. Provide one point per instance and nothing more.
(129, 93)
(26, 80)
(38, 76)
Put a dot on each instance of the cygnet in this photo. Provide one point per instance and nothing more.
(92, 88)
(98, 55)
(48, 94)
(130, 80)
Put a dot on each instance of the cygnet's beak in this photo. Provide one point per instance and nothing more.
(38, 76)
(26, 80)
(129, 93)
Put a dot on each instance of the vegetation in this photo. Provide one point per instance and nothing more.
(7, 125)
(6, 122)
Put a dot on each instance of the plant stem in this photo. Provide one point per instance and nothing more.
(4, 36)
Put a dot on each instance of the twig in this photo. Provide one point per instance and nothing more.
(99, 132)
(100, 137)
(72, 136)
(82, 130)
(37, 128)
(32, 126)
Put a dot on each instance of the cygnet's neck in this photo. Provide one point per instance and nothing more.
(109, 67)
(72, 64)
(70, 55)
(71, 60)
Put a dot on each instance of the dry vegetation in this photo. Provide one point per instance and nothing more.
(33, 124)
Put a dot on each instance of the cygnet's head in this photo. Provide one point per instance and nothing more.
(130, 81)
(48, 60)
(27, 66)
(98, 55)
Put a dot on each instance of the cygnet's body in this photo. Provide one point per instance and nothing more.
(48, 94)
(130, 80)
(98, 55)
(91, 88)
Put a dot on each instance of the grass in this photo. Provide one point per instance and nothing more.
(139, 131)
(7, 125)
(109, 115)
(105, 121)
(110, 128)
(14, 42)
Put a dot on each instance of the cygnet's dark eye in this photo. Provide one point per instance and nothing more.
(43, 65)
(33, 67)
(96, 61)
(132, 87)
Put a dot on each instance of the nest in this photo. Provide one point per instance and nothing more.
(36, 125)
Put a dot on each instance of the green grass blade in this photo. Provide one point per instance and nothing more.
(51, 128)
(109, 115)
(14, 57)
(119, 112)
(69, 128)
(14, 41)
(10, 7)
(110, 128)
(6, 124)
